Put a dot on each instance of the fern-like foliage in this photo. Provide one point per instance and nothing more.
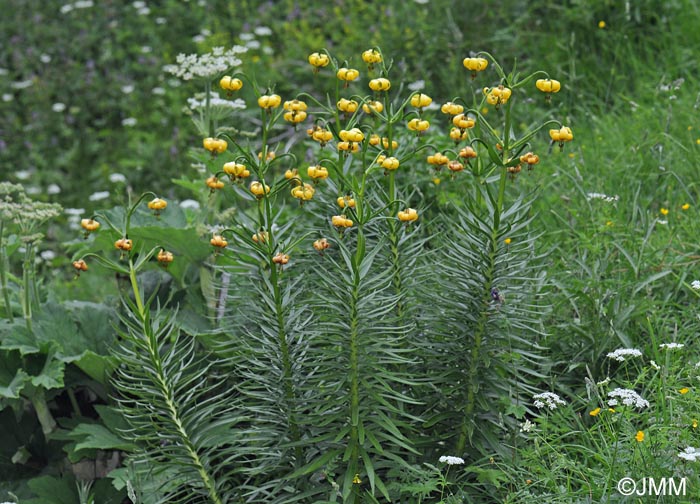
(483, 347)
(180, 410)
(357, 410)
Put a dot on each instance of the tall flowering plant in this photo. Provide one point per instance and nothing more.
(329, 354)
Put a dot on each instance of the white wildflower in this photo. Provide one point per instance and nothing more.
(21, 84)
(604, 382)
(671, 346)
(549, 399)
(527, 426)
(695, 284)
(58, 107)
(117, 178)
(189, 203)
(138, 5)
(23, 174)
(253, 44)
(33, 190)
(83, 4)
(161, 20)
(449, 460)
(418, 85)
(207, 66)
(216, 101)
(47, 255)
(601, 196)
(263, 31)
(246, 36)
(628, 397)
(199, 39)
(45, 58)
(4, 71)
(146, 49)
(65, 9)
(129, 121)
(144, 12)
(158, 91)
(74, 211)
(620, 354)
(99, 195)
(655, 365)
(7, 97)
(53, 189)
(662, 222)
(128, 89)
(690, 454)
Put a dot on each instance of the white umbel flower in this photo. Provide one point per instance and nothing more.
(206, 66)
(621, 354)
(628, 397)
(549, 399)
(671, 346)
(449, 460)
(690, 454)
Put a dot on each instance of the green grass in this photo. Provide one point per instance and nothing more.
(602, 256)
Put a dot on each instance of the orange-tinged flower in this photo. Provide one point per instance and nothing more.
(236, 170)
(218, 241)
(124, 244)
(304, 192)
(280, 258)
(408, 215)
(346, 201)
(341, 221)
(215, 145)
(89, 225)
(455, 166)
(258, 189)
(450, 108)
(164, 257)
(214, 183)
(80, 265)
(317, 172)
(321, 244)
(157, 204)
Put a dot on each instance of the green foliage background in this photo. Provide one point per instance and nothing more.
(582, 277)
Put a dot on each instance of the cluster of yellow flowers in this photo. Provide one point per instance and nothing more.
(351, 139)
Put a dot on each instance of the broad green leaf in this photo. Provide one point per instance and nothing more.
(98, 437)
(52, 490)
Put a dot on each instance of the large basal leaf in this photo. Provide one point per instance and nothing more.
(52, 490)
(12, 378)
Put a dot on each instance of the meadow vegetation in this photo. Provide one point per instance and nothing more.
(408, 252)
